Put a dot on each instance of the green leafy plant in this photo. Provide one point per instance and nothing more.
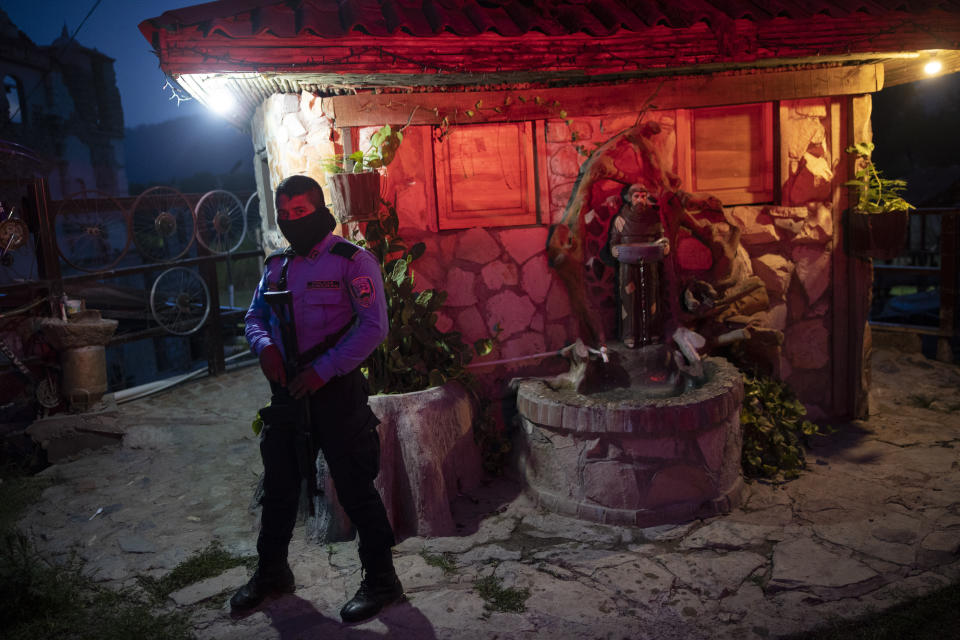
(774, 429)
(875, 193)
(416, 354)
(40, 598)
(383, 148)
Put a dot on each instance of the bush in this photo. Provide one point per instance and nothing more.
(774, 429)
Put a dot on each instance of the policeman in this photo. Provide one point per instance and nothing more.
(339, 307)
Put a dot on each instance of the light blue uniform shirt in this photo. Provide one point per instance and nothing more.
(328, 289)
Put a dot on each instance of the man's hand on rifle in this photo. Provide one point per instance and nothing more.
(307, 381)
(271, 363)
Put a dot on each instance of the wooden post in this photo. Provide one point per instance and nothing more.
(213, 330)
(949, 263)
(852, 277)
(48, 260)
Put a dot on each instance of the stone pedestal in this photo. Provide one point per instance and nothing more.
(81, 341)
(427, 457)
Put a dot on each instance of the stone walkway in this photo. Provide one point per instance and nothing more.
(875, 521)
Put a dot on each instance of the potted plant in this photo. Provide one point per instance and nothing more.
(877, 221)
(435, 436)
(354, 180)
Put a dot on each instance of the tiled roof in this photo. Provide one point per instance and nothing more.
(260, 47)
(509, 18)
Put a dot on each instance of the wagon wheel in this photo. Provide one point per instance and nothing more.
(163, 224)
(179, 301)
(221, 221)
(252, 209)
(92, 231)
(254, 221)
(47, 393)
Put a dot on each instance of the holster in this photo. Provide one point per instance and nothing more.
(280, 415)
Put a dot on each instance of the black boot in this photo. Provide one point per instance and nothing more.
(267, 580)
(376, 591)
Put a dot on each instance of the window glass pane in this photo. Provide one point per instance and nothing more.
(11, 89)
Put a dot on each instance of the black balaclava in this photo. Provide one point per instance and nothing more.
(304, 233)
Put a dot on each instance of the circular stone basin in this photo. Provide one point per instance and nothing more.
(631, 459)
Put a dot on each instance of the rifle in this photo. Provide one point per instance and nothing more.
(297, 411)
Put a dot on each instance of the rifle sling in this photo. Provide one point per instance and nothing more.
(327, 343)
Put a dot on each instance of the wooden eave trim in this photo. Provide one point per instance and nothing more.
(371, 109)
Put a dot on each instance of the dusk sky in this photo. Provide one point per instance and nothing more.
(111, 29)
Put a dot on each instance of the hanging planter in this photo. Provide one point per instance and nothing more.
(880, 236)
(354, 180)
(355, 197)
(877, 224)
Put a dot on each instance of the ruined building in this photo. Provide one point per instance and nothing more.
(62, 101)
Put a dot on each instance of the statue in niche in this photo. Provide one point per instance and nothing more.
(722, 302)
(636, 247)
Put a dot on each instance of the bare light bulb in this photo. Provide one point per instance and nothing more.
(933, 67)
(222, 101)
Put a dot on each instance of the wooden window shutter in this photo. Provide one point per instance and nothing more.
(730, 152)
(486, 175)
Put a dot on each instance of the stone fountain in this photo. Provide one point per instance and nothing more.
(648, 433)
(634, 452)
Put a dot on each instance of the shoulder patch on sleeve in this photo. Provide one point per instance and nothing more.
(344, 249)
(363, 291)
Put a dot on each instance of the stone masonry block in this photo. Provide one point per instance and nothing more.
(511, 311)
(478, 246)
(522, 244)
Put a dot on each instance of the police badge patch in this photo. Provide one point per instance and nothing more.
(363, 291)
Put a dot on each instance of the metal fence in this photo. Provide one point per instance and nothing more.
(161, 263)
(917, 291)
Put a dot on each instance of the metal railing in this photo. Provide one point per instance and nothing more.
(923, 279)
(111, 224)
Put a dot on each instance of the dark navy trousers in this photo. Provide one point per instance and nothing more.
(344, 429)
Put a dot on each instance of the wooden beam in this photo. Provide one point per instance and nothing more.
(901, 71)
(537, 104)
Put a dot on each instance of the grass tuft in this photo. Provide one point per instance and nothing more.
(500, 598)
(43, 599)
(443, 561)
(210, 562)
(17, 492)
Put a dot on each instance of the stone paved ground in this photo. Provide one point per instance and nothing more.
(875, 521)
